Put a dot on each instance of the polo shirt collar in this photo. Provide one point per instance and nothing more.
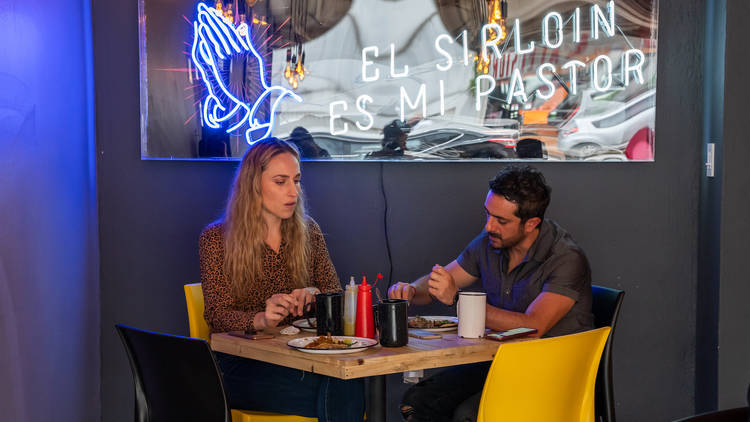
(544, 242)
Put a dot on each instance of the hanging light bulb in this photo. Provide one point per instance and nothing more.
(294, 67)
(497, 12)
(259, 20)
(288, 69)
(301, 69)
(300, 72)
(292, 78)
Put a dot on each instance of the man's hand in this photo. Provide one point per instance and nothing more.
(402, 291)
(278, 307)
(441, 285)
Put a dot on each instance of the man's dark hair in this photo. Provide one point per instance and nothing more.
(524, 186)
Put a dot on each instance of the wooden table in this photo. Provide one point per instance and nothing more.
(374, 362)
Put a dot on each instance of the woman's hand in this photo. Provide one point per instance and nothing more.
(303, 297)
(278, 307)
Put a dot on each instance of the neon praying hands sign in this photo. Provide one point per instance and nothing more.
(216, 40)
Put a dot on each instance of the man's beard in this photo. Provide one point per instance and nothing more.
(504, 243)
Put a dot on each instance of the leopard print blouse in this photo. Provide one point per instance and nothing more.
(225, 313)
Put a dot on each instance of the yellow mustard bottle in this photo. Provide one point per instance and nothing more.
(350, 307)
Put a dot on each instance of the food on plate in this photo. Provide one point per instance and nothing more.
(419, 322)
(328, 342)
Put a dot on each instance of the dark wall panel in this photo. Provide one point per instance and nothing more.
(709, 223)
(734, 312)
(637, 221)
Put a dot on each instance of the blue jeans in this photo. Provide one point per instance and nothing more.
(449, 396)
(255, 385)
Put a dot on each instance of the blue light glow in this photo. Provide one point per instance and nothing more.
(214, 38)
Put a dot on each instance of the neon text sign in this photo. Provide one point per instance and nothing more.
(556, 29)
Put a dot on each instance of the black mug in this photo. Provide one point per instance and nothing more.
(391, 317)
(329, 312)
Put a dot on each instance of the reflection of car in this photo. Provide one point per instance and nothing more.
(607, 155)
(433, 140)
(589, 131)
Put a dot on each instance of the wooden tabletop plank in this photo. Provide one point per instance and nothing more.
(377, 360)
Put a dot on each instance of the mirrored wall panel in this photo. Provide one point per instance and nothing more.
(400, 80)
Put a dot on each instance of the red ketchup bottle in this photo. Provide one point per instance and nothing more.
(365, 325)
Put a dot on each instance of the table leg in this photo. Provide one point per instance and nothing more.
(377, 408)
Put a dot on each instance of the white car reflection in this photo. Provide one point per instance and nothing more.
(593, 131)
(432, 140)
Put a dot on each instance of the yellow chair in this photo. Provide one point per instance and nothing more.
(199, 329)
(544, 380)
(195, 309)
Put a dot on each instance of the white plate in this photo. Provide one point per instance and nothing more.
(303, 325)
(437, 318)
(360, 343)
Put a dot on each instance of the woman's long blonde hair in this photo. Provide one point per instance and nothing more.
(246, 228)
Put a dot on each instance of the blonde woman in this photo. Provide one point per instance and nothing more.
(260, 264)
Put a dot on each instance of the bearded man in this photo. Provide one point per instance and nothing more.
(534, 275)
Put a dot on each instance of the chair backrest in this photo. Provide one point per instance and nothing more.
(195, 307)
(176, 378)
(606, 305)
(550, 379)
(606, 309)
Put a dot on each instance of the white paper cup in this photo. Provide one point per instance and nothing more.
(472, 307)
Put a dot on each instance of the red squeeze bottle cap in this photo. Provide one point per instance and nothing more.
(364, 286)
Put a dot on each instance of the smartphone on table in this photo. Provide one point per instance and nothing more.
(508, 334)
(251, 334)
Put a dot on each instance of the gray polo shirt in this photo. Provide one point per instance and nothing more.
(554, 263)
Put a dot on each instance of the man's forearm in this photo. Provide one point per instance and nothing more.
(500, 320)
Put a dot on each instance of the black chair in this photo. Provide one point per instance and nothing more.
(606, 309)
(739, 414)
(176, 378)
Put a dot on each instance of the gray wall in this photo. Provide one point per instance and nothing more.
(637, 221)
(734, 312)
(49, 297)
